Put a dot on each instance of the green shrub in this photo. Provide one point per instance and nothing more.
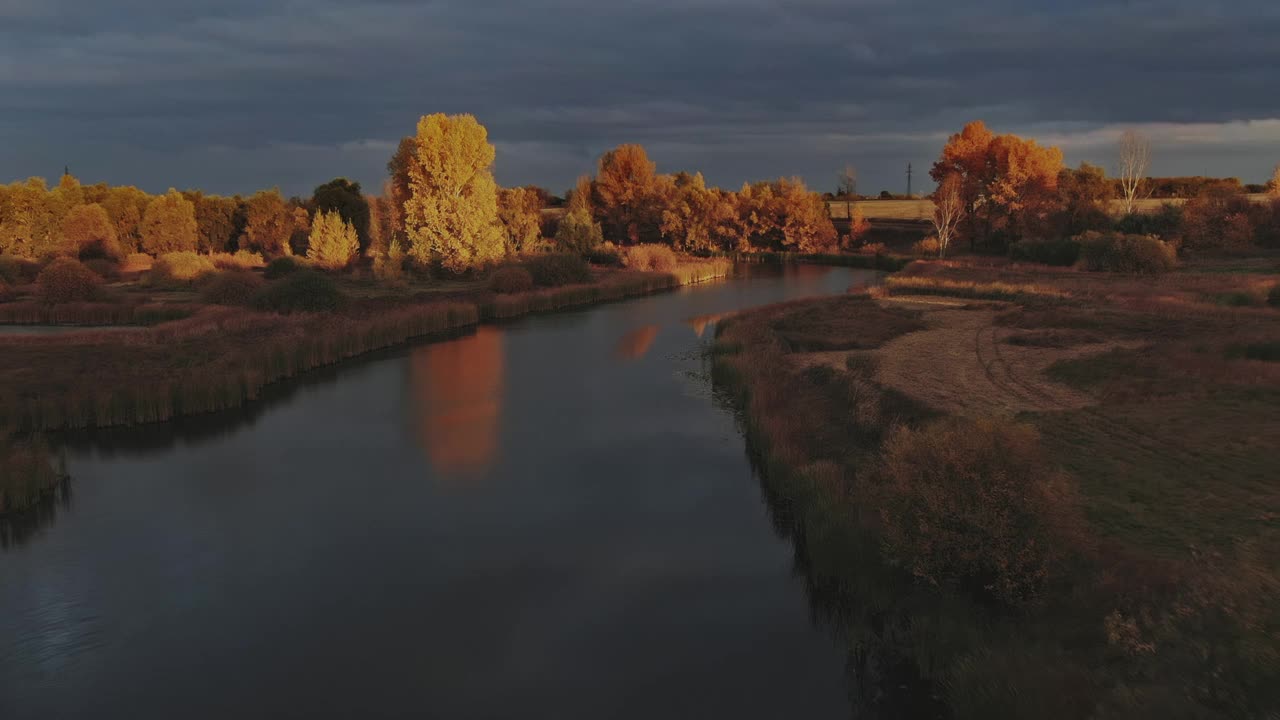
(578, 232)
(1061, 253)
(650, 257)
(104, 268)
(1114, 252)
(280, 267)
(179, 268)
(975, 504)
(1164, 223)
(605, 254)
(68, 280)
(231, 287)
(301, 291)
(511, 279)
(555, 269)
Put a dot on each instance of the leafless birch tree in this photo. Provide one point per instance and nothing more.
(948, 207)
(1135, 160)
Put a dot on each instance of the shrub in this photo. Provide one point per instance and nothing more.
(333, 242)
(872, 249)
(653, 257)
(16, 270)
(976, 504)
(105, 269)
(301, 291)
(1164, 223)
(511, 279)
(180, 268)
(605, 254)
(231, 287)
(928, 247)
(555, 269)
(1114, 252)
(1273, 297)
(137, 262)
(280, 267)
(67, 280)
(1062, 253)
(239, 260)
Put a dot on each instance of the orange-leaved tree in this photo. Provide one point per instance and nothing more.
(451, 214)
(169, 224)
(625, 195)
(87, 230)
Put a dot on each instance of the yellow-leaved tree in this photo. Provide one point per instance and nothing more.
(333, 241)
(451, 214)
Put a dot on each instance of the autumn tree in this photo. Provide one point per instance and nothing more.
(520, 212)
(88, 232)
(269, 224)
(333, 242)
(948, 208)
(1008, 185)
(578, 230)
(215, 221)
(451, 215)
(345, 197)
(1135, 158)
(859, 226)
(125, 205)
(169, 224)
(1273, 187)
(1086, 195)
(697, 218)
(625, 185)
(28, 227)
(783, 215)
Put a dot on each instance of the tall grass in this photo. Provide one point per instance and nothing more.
(93, 313)
(27, 473)
(916, 285)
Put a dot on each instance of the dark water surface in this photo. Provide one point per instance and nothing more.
(552, 518)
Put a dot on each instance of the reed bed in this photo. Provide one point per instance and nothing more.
(27, 473)
(93, 313)
(917, 285)
(886, 262)
(616, 286)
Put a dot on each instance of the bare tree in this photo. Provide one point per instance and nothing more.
(848, 187)
(1135, 159)
(948, 207)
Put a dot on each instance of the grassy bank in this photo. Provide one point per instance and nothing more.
(222, 357)
(1102, 532)
(887, 262)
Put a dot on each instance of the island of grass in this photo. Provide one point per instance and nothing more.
(1021, 491)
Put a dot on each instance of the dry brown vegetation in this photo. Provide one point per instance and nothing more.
(1145, 402)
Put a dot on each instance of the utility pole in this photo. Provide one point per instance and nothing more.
(908, 181)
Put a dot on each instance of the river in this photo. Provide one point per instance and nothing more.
(548, 518)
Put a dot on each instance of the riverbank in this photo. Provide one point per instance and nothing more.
(221, 357)
(1067, 493)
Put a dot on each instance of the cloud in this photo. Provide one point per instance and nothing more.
(140, 91)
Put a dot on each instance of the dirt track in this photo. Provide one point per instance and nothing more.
(961, 366)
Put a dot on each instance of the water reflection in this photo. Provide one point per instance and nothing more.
(17, 528)
(700, 323)
(457, 400)
(635, 344)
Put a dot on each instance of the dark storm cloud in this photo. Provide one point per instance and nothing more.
(237, 95)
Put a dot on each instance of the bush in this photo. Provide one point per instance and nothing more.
(240, 260)
(301, 291)
(280, 267)
(1164, 223)
(555, 269)
(605, 254)
(976, 504)
(873, 249)
(180, 268)
(67, 280)
(231, 287)
(137, 262)
(1061, 253)
(928, 247)
(1114, 252)
(1273, 297)
(652, 257)
(103, 268)
(511, 279)
(16, 270)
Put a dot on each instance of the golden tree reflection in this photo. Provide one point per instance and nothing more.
(635, 344)
(457, 396)
(700, 323)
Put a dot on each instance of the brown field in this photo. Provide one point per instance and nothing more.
(922, 209)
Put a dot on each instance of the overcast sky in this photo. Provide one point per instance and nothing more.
(238, 95)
